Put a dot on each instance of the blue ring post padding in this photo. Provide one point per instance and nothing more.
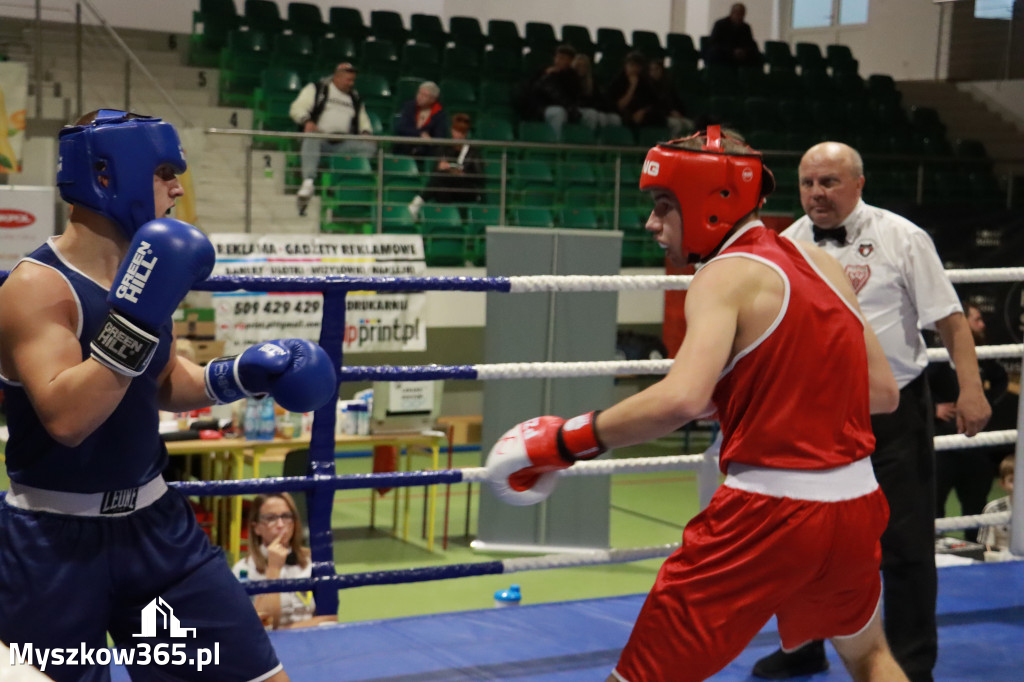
(251, 486)
(402, 575)
(320, 500)
(411, 373)
(345, 284)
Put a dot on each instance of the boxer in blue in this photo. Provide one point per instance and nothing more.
(92, 541)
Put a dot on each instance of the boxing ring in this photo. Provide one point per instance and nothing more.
(569, 640)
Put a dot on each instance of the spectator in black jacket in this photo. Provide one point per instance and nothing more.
(668, 100)
(556, 95)
(422, 117)
(593, 100)
(633, 94)
(732, 41)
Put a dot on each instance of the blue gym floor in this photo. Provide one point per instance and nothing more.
(981, 637)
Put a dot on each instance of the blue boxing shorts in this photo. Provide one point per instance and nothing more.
(148, 576)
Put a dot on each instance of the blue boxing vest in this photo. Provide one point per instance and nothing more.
(126, 450)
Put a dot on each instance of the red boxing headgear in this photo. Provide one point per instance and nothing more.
(714, 188)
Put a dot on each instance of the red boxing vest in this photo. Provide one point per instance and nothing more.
(798, 397)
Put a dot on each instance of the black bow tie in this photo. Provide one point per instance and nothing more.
(837, 234)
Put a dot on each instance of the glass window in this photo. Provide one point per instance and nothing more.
(812, 13)
(993, 9)
(819, 13)
(853, 11)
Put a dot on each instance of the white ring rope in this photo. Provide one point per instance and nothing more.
(564, 283)
(568, 370)
(1006, 350)
(975, 521)
(560, 283)
(986, 275)
(981, 440)
(592, 558)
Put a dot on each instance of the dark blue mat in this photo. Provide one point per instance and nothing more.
(981, 637)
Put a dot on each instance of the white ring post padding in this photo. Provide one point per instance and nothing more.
(983, 439)
(561, 283)
(1006, 350)
(592, 558)
(986, 275)
(976, 521)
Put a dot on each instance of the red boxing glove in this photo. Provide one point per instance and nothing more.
(522, 463)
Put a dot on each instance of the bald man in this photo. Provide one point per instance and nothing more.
(902, 288)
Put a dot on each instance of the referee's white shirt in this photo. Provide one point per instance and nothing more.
(899, 279)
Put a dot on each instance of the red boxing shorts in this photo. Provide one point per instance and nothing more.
(748, 556)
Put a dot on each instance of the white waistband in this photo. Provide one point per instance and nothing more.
(821, 485)
(110, 503)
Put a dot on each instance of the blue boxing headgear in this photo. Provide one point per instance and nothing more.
(126, 150)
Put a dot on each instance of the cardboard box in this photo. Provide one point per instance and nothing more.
(194, 323)
(466, 428)
(200, 351)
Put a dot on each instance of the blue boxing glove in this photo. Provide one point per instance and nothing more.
(165, 259)
(296, 372)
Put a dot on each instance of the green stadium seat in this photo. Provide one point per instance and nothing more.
(617, 135)
(458, 96)
(374, 90)
(292, 51)
(882, 88)
(482, 216)
(532, 217)
(778, 56)
(752, 82)
(611, 40)
(575, 174)
(211, 24)
(448, 244)
(502, 33)
(263, 15)
(537, 131)
(531, 174)
(649, 136)
(347, 22)
(350, 171)
(680, 49)
(840, 57)
(405, 89)
(540, 37)
(387, 25)
(496, 99)
(817, 84)
(536, 61)
(427, 28)
(459, 61)
(466, 32)
(305, 17)
(649, 44)
(420, 59)
(335, 49)
(379, 57)
(502, 64)
(578, 133)
(721, 79)
(579, 218)
(809, 57)
(494, 129)
(396, 219)
(579, 38)
(242, 62)
(272, 100)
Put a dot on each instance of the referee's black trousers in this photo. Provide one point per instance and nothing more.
(904, 463)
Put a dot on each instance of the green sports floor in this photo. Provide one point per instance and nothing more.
(646, 509)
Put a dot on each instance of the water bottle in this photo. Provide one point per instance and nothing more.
(509, 597)
(250, 426)
(267, 425)
(243, 575)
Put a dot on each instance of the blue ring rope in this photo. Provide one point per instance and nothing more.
(346, 284)
(402, 575)
(251, 486)
(407, 373)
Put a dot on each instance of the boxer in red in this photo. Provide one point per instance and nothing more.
(776, 344)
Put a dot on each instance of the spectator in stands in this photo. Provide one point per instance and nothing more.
(459, 174)
(423, 117)
(998, 537)
(633, 94)
(732, 41)
(330, 105)
(557, 94)
(593, 100)
(276, 552)
(667, 98)
(968, 473)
